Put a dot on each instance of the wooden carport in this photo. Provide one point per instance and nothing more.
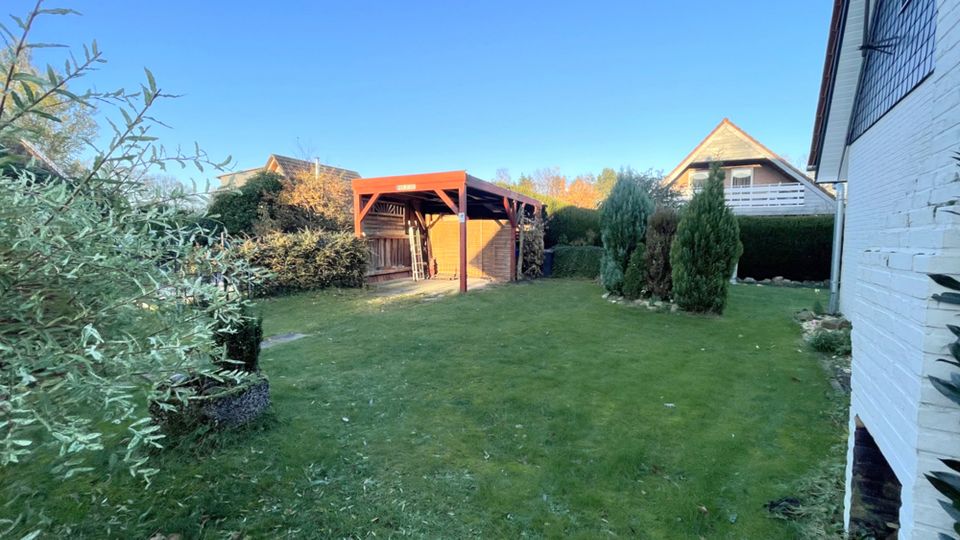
(445, 193)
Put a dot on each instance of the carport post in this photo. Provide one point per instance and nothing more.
(462, 217)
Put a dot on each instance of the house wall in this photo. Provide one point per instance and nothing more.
(814, 201)
(488, 247)
(762, 175)
(900, 173)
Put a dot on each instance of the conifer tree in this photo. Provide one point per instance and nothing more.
(705, 250)
(623, 223)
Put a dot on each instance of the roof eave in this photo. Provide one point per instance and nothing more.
(827, 82)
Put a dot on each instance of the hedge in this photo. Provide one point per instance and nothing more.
(577, 261)
(795, 247)
(308, 260)
(573, 226)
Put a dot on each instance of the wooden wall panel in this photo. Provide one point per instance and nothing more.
(488, 247)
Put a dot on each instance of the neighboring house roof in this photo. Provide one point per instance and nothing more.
(730, 144)
(292, 167)
(29, 151)
(237, 178)
(285, 166)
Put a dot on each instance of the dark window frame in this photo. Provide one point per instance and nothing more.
(899, 55)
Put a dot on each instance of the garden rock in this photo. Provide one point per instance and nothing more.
(749, 280)
(805, 315)
(832, 323)
(280, 339)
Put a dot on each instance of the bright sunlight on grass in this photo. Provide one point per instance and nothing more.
(528, 409)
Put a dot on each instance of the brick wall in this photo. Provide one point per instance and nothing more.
(900, 173)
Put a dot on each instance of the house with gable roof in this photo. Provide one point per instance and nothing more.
(757, 181)
(288, 167)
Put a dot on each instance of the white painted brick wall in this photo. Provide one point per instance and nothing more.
(899, 171)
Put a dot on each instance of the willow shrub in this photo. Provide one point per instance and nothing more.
(105, 288)
(705, 249)
(623, 223)
(305, 260)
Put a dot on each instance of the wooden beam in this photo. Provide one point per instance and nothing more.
(462, 216)
(357, 220)
(511, 209)
(449, 202)
(522, 211)
(369, 205)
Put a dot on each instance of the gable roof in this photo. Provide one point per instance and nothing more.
(292, 167)
(728, 142)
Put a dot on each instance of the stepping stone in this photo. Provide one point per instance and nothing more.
(280, 339)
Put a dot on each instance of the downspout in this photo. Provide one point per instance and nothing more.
(837, 251)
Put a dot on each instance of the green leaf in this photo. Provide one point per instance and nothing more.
(952, 463)
(44, 45)
(59, 11)
(946, 281)
(955, 329)
(29, 77)
(947, 298)
(947, 483)
(951, 362)
(947, 388)
(46, 115)
(151, 81)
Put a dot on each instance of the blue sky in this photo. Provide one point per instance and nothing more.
(403, 87)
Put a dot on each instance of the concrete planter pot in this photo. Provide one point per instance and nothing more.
(211, 402)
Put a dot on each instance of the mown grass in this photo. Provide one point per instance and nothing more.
(535, 410)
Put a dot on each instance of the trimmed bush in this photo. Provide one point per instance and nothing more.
(577, 261)
(238, 211)
(705, 249)
(634, 279)
(795, 247)
(573, 226)
(308, 260)
(836, 342)
(241, 344)
(661, 228)
(623, 223)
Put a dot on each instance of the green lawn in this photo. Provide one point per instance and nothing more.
(534, 410)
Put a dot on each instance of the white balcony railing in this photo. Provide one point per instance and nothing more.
(765, 196)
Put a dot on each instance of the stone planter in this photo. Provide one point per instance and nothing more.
(216, 403)
(238, 406)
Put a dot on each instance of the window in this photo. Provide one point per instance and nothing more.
(742, 178)
(698, 178)
(899, 56)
